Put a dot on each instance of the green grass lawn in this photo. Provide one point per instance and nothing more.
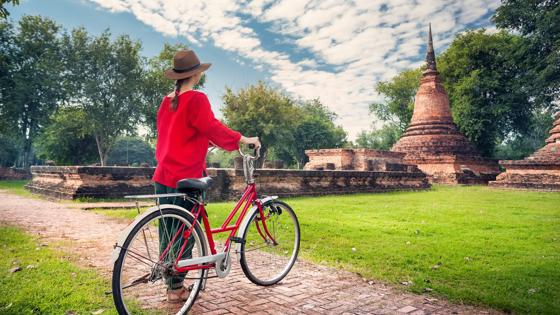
(16, 187)
(53, 285)
(469, 244)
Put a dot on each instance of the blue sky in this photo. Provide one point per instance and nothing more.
(334, 50)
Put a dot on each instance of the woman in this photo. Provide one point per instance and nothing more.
(185, 126)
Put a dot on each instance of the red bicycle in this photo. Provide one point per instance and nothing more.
(168, 244)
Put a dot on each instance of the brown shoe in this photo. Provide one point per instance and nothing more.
(178, 295)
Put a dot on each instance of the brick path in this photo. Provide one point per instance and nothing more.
(308, 289)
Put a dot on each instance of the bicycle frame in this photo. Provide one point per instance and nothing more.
(248, 198)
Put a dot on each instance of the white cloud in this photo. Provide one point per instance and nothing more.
(361, 41)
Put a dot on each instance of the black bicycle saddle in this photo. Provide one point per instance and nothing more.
(194, 184)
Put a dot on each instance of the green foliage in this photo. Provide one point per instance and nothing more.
(285, 126)
(538, 21)
(8, 151)
(485, 90)
(398, 95)
(224, 158)
(491, 247)
(3, 11)
(7, 65)
(67, 139)
(155, 86)
(379, 139)
(32, 65)
(259, 110)
(519, 146)
(103, 76)
(131, 151)
(313, 128)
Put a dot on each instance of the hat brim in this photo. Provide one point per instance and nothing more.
(173, 75)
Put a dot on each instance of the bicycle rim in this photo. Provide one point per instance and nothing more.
(263, 261)
(142, 274)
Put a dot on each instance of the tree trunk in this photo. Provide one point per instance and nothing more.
(26, 152)
(102, 155)
(260, 162)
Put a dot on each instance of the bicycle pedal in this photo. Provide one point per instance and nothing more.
(238, 240)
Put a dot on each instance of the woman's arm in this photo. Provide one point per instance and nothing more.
(206, 123)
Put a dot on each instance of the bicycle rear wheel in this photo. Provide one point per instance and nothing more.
(265, 261)
(143, 273)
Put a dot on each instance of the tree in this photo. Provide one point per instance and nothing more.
(518, 146)
(224, 158)
(398, 95)
(131, 151)
(485, 86)
(155, 85)
(313, 128)
(7, 64)
(3, 12)
(34, 79)
(105, 76)
(379, 139)
(8, 151)
(487, 92)
(538, 21)
(259, 110)
(67, 139)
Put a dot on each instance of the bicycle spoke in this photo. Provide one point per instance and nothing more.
(141, 279)
(267, 261)
(146, 243)
(140, 257)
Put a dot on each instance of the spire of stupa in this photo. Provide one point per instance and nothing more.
(430, 54)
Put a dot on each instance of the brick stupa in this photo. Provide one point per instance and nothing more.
(540, 171)
(432, 140)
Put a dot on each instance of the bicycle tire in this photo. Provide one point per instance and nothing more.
(248, 268)
(198, 235)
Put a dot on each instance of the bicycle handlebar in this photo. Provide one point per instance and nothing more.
(257, 152)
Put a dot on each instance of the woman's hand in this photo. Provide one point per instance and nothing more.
(251, 140)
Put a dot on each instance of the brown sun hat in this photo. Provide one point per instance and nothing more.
(185, 64)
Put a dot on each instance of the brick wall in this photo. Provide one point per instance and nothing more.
(72, 182)
(10, 173)
(350, 159)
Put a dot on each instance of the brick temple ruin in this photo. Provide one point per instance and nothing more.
(357, 160)
(11, 173)
(72, 182)
(539, 171)
(433, 142)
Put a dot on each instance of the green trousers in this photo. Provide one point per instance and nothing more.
(167, 228)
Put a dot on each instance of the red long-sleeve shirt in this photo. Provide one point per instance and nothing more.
(183, 137)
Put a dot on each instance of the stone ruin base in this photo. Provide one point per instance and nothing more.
(527, 174)
(293, 183)
(353, 159)
(72, 182)
(453, 170)
(10, 173)
(441, 169)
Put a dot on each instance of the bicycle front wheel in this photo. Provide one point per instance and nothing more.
(265, 260)
(145, 268)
